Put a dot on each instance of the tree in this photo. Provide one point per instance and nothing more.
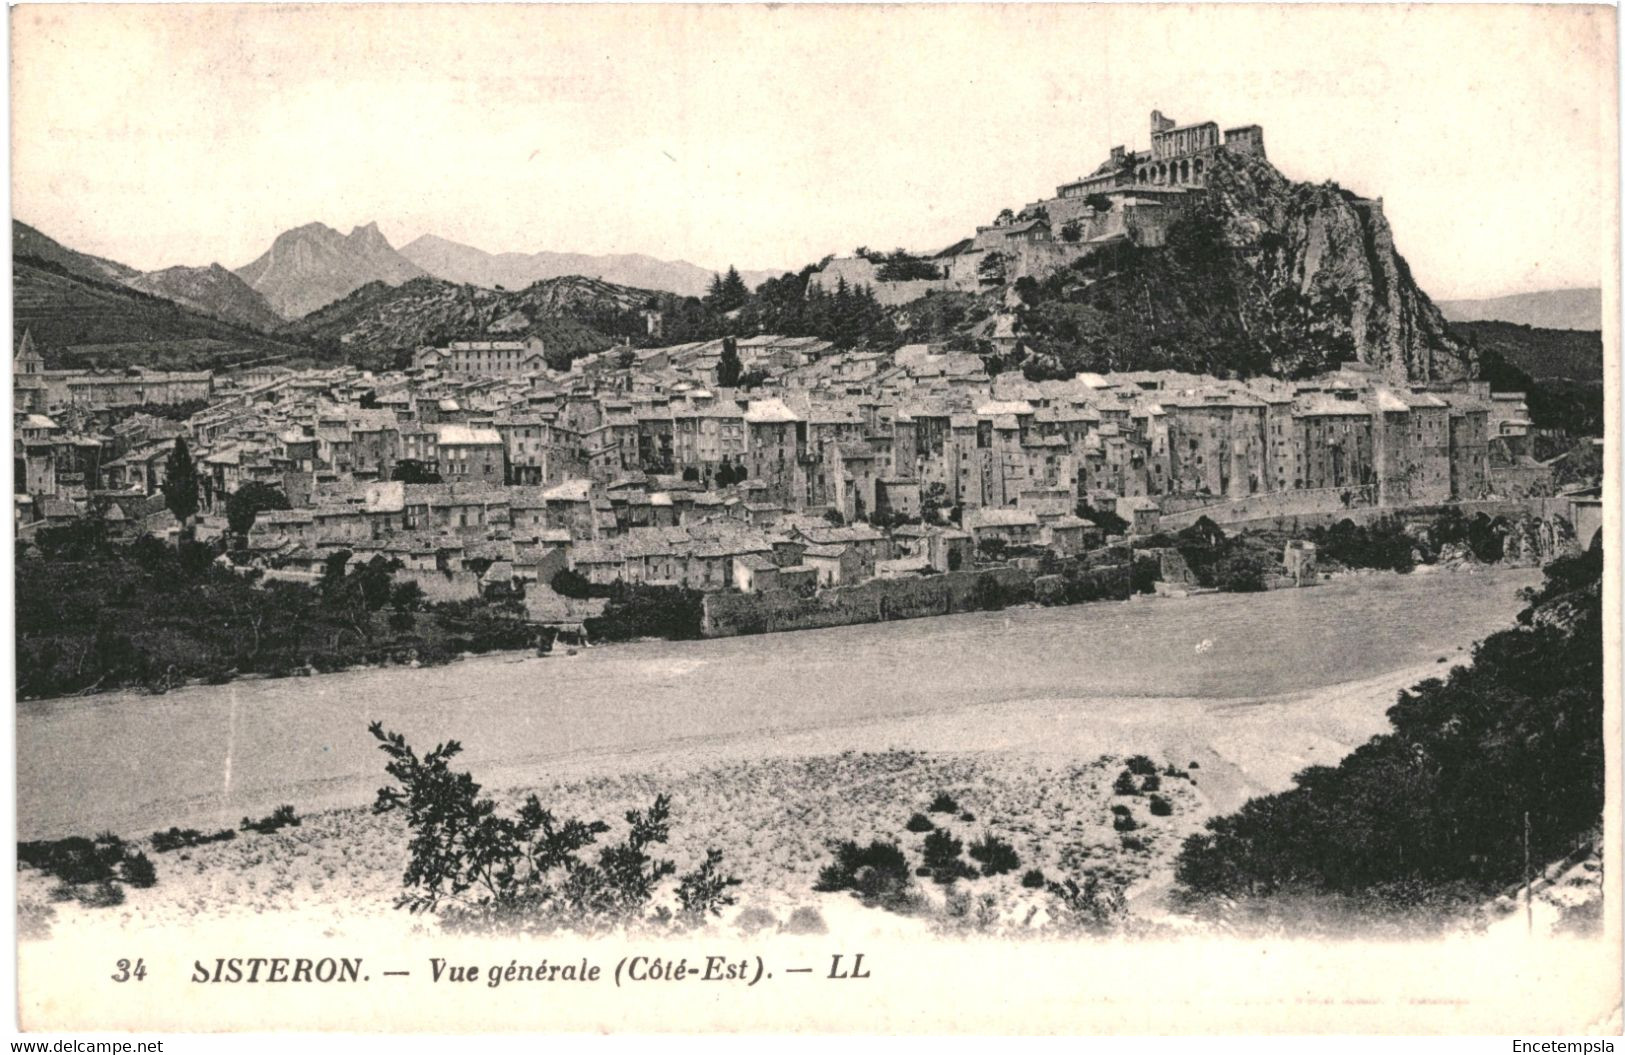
(1071, 231)
(181, 483)
(729, 367)
(734, 291)
(249, 501)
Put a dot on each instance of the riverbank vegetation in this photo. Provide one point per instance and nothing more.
(1437, 813)
(94, 615)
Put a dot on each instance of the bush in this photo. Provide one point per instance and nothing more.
(74, 860)
(1141, 766)
(1090, 907)
(919, 823)
(1161, 807)
(1124, 822)
(943, 803)
(942, 857)
(1033, 879)
(137, 870)
(996, 855)
(703, 892)
(1150, 783)
(968, 817)
(281, 817)
(1125, 784)
(883, 859)
(1132, 843)
(481, 871)
(755, 918)
(806, 920)
(105, 894)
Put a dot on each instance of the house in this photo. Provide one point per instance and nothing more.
(755, 573)
(1142, 514)
(468, 453)
(1013, 527)
(836, 565)
(1069, 535)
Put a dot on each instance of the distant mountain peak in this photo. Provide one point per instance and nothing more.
(313, 265)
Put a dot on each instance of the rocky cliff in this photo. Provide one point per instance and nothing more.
(314, 265)
(1336, 252)
(1257, 274)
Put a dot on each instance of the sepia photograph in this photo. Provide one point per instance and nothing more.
(794, 518)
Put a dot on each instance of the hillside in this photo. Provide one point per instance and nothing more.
(314, 265)
(1544, 354)
(1263, 276)
(63, 309)
(1489, 754)
(26, 241)
(1555, 309)
(212, 291)
(573, 315)
(456, 262)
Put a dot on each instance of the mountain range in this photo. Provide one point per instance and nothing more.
(456, 262)
(1551, 309)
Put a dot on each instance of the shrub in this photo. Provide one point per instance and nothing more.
(806, 920)
(180, 838)
(481, 871)
(968, 817)
(996, 855)
(943, 803)
(74, 860)
(1141, 766)
(755, 918)
(880, 858)
(34, 921)
(1150, 783)
(137, 870)
(1124, 822)
(1089, 907)
(919, 823)
(1125, 784)
(942, 857)
(704, 891)
(1033, 879)
(1161, 807)
(105, 894)
(281, 817)
(1132, 842)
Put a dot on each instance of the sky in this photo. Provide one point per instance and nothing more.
(768, 137)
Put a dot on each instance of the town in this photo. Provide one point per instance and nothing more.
(482, 472)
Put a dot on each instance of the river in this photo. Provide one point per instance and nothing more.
(210, 754)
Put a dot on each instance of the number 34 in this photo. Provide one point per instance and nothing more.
(126, 972)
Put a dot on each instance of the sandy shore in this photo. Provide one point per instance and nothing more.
(1041, 778)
